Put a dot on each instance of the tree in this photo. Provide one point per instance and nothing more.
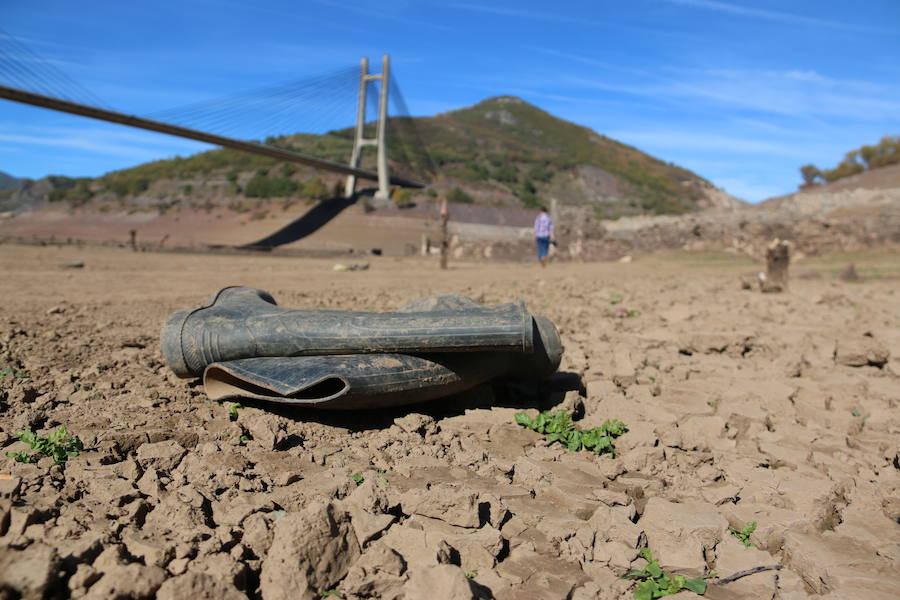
(459, 196)
(315, 188)
(810, 173)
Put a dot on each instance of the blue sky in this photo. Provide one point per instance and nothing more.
(742, 92)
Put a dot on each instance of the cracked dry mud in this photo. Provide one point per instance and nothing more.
(778, 409)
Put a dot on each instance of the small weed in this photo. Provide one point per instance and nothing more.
(14, 373)
(57, 445)
(246, 438)
(627, 313)
(471, 574)
(279, 513)
(381, 478)
(558, 427)
(615, 298)
(654, 583)
(743, 535)
(331, 592)
(233, 410)
(712, 404)
(357, 478)
(855, 412)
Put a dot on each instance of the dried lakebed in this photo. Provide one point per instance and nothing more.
(776, 409)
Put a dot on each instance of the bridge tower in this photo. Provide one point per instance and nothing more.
(379, 141)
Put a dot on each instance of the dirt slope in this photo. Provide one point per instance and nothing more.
(776, 409)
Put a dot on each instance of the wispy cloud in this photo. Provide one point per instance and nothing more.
(691, 139)
(134, 145)
(519, 13)
(784, 17)
(773, 92)
(748, 189)
(382, 12)
(560, 17)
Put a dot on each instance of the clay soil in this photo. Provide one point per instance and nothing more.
(779, 409)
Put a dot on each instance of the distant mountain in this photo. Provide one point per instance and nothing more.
(507, 143)
(7, 181)
(500, 152)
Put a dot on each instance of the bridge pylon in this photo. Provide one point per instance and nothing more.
(380, 139)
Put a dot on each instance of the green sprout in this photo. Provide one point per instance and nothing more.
(471, 574)
(558, 427)
(57, 445)
(14, 373)
(743, 535)
(654, 583)
(357, 478)
(233, 410)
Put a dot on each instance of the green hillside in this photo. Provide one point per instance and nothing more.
(502, 151)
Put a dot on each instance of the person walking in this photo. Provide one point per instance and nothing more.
(543, 234)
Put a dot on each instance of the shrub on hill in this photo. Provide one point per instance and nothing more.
(885, 152)
(459, 196)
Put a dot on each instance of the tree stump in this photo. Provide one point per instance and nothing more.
(778, 260)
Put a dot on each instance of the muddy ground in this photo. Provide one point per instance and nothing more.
(779, 409)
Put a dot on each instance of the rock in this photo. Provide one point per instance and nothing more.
(152, 549)
(311, 551)
(163, 456)
(222, 567)
(257, 534)
(624, 372)
(29, 573)
(446, 501)
(680, 534)
(860, 351)
(181, 511)
(198, 586)
(127, 581)
(840, 565)
(415, 423)
(379, 573)
(442, 581)
(477, 548)
(84, 577)
(267, 430)
(417, 548)
(10, 488)
(849, 274)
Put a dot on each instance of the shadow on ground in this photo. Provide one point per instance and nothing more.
(313, 220)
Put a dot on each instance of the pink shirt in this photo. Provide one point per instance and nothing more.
(543, 226)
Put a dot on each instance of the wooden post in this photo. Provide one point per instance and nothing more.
(778, 260)
(445, 238)
(133, 234)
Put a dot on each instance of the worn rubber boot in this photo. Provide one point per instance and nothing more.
(241, 322)
(351, 381)
(381, 380)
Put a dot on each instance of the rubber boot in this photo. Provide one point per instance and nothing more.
(241, 322)
(351, 381)
(377, 381)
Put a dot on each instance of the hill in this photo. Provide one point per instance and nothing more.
(7, 181)
(500, 152)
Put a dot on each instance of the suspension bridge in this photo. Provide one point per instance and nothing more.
(240, 120)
